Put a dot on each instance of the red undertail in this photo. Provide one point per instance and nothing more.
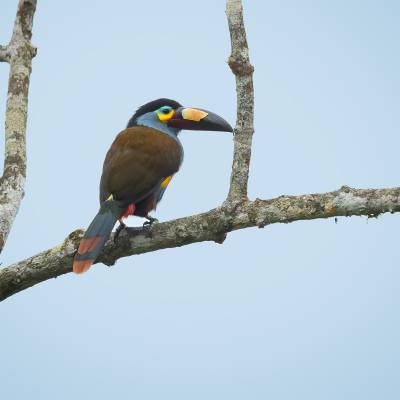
(98, 233)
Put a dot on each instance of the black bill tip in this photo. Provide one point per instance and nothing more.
(195, 119)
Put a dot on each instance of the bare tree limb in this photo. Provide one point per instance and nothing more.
(210, 226)
(239, 63)
(19, 53)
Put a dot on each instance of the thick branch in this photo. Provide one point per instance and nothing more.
(239, 63)
(19, 53)
(210, 226)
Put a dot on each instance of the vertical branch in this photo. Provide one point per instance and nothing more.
(19, 53)
(239, 63)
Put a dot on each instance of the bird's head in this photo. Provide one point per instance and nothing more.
(170, 114)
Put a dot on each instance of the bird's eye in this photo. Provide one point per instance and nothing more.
(165, 110)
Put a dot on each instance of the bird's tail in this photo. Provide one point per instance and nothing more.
(96, 235)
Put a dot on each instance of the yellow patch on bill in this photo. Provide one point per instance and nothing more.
(193, 115)
(166, 181)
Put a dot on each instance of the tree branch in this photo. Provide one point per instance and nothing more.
(210, 226)
(19, 53)
(239, 63)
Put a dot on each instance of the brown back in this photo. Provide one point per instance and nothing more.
(138, 160)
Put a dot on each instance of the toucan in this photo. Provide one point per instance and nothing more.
(138, 168)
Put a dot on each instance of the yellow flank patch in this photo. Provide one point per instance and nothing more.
(165, 117)
(166, 181)
(110, 197)
(193, 114)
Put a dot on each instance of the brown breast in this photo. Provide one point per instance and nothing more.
(138, 160)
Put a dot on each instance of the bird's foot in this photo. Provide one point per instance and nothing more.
(147, 225)
(120, 228)
(150, 221)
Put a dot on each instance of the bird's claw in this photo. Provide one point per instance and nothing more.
(147, 225)
(150, 221)
(120, 228)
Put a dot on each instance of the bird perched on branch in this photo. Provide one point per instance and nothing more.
(138, 168)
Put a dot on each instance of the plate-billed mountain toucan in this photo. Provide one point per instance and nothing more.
(138, 168)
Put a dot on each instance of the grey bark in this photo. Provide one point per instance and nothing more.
(18, 53)
(237, 212)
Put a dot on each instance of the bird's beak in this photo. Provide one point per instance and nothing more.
(195, 119)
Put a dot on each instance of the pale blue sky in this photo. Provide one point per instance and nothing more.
(308, 310)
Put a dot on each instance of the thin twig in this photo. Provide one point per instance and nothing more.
(4, 55)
